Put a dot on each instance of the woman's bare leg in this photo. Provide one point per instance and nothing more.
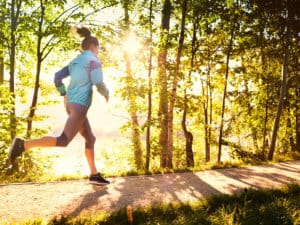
(90, 156)
(90, 139)
(41, 142)
(76, 119)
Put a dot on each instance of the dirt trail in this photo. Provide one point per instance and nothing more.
(73, 198)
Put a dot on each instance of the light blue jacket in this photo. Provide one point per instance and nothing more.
(85, 71)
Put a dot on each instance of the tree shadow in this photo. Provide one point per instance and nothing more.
(288, 166)
(179, 187)
(140, 191)
(262, 176)
(79, 206)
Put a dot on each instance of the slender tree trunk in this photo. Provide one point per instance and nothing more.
(174, 86)
(266, 118)
(207, 157)
(187, 134)
(34, 99)
(265, 76)
(15, 12)
(207, 117)
(205, 105)
(207, 108)
(12, 90)
(149, 115)
(229, 51)
(283, 88)
(289, 132)
(163, 83)
(136, 140)
(38, 72)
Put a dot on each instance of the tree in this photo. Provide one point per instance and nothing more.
(166, 158)
(187, 134)
(136, 140)
(175, 83)
(149, 114)
(13, 40)
(53, 29)
(283, 90)
(228, 54)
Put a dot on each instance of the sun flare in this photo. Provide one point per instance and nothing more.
(131, 44)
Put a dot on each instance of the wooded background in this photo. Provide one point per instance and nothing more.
(199, 77)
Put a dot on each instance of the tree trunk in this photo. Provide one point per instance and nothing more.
(283, 88)
(229, 51)
(136, 140)
(163, 87)
(187, 134)
(149, 114)
(174, 86)
(265, 141)
(205, 106)
(265, 76)
(207, 118)
(188, 137)
(37, 75)
(15, 12)
(207, 157)
(289, 132)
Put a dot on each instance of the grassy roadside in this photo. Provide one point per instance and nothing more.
(250, 207)
(201, 167)
(48, 175)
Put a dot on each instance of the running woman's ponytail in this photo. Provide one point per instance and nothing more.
(88, 38)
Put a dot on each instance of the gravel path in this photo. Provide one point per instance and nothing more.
(73, 198)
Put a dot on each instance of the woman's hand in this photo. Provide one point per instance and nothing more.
(107, 98)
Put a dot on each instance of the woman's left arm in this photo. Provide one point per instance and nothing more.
(97, 78)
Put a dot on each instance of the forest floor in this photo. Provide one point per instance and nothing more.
(73, 198)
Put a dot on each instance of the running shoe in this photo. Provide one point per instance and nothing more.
(16, 149)
(97, 179)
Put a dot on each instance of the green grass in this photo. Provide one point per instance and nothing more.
(49, 176)
(250, 207)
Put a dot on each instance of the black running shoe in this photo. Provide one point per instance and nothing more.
(97, 179)
(16, 149)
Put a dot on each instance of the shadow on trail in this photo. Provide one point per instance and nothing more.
(260, 176)
(142, 190)
(182, 187)
(287, 167)
(88, 200)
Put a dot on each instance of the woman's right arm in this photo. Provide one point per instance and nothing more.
(59, 76)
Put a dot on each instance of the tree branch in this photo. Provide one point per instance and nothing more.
(98, 10)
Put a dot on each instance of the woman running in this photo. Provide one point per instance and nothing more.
(84, 71)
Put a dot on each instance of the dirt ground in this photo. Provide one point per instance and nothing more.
(73, 198)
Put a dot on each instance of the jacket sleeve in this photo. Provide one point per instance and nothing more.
(96, 76)
(59, 76)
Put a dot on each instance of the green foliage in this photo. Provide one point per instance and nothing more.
(31, 166)
(254, 77)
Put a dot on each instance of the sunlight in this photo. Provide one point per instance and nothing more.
(131, 44)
